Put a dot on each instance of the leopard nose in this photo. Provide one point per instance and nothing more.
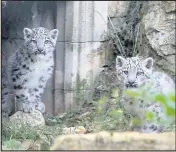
(131, 84)
(40, 49)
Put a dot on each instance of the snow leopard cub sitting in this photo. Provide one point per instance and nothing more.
(28, 70)
(134, 73)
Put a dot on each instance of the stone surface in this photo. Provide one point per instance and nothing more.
(85, 20)
(9, 47)
(118, 8)
(4, 3)
(34, 119)
(159, 29)
(82, 64)
(79, 61)
(59, 78)
(115, 141)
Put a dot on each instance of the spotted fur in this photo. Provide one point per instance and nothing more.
(28, 70)
(135, 73)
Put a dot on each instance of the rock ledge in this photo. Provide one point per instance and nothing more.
(115, 141)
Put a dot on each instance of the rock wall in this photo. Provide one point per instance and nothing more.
(158, 24)
(81, 38)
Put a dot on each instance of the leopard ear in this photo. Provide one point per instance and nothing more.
(27, 34)
(148, 63)
(119, 61)
(53, 35)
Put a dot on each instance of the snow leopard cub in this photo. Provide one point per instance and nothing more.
(28, 70)
(134, 73)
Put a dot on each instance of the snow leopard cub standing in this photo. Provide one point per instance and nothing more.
(28, 70)
(135, 73)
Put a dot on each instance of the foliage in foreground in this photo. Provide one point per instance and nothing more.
(167, 101)
(96, 120)
(95, 116)
(12, 137)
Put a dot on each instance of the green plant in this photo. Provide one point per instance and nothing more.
(167, 101)
(12, 135)
(12, 144)
(111, 117)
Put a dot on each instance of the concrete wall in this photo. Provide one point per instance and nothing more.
(80, 24)
(81, 28)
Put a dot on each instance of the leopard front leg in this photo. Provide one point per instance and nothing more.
(40, 106)
(24, 101)
(37, 94)
(37, 97)
(26, 106)
(30, 99)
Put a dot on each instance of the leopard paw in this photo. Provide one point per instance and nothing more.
(26, 107)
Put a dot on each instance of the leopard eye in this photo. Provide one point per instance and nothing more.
(46, 41)
(140, 73)
(125, 72)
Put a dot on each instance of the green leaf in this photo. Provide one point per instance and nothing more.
(13, 144)
(115, 113)
(160, 98)
(136, 121)
(115, 93)
(173, 98)
(170, 111)
(150, 115)
(102, 100)
(100, 109)
(119, 111)
(133, 94)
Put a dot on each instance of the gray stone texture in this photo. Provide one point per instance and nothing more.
(158, 24)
